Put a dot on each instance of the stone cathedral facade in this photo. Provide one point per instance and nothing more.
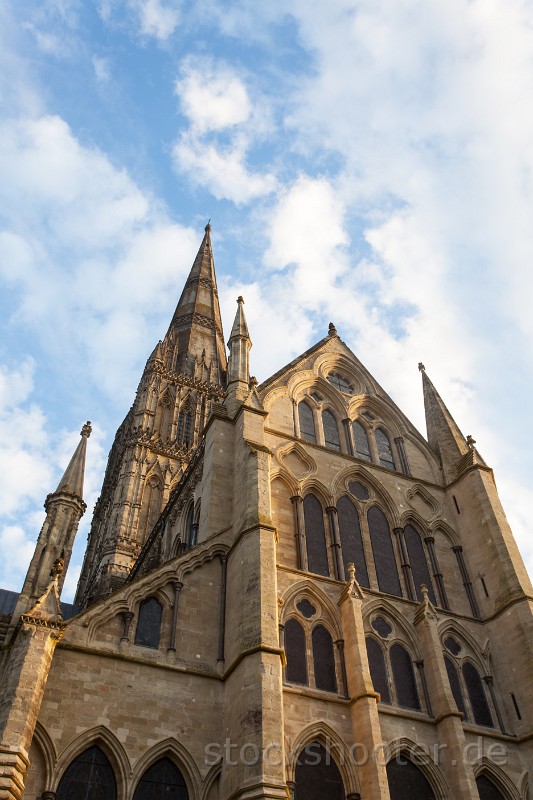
(287, 593)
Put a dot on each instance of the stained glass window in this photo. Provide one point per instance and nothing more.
(351, 541)
(307, 422)
(487, 790)
(476, 695)
(383, 550)
(315, 536)
(323, 659)
(331, 431)
(404, 677)
(89, 777)
(417, 559)
(149, 623)
(407, 782)
(382, 627)
(358, 490)
(317, 775)
(162, 781)
(362, 448)
(384, 449)
(306, 608)
(295, 651)
(378, 669)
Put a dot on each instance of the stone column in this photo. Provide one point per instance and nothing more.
(127, 617)
(448, 718)
(366, 729)
(348, 432)
(335, 542)
(299, 532)
(295, 419)
(178, 586)
(406, 566)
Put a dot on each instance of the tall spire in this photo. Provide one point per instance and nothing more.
(195, 332)
(64, 509)
(443, 433)
(239, 344)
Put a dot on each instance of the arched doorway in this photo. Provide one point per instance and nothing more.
(89, 777)
(406, 781)
(317, 775)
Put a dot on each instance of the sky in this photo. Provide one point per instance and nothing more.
(364, 162)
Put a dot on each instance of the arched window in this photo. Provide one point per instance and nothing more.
(323, 659)
(419, 565)
(351, 540)
(89, 777)
(185, 427)
(360, 438)
(307, 422)
(149, 623)
(476, 695)
(383, 550)
(189, 528)
(378, 669)
(295, 651)
(384, 449)
(455, 685)
(331, 431)
(487, 790)
(406, 781)
(317, 775)
(404, 677)
(315, 536)
(162, 781)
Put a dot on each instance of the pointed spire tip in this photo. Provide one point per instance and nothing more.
(86, 429)
(421, 367)
(240, 299)
(207, 228)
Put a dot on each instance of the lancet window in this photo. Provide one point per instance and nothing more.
(331, 431)
(315, 536)
(487, 790)
(407, 781)
(162, 781)
(361, 444)
(466, 683)
(418, 562)
(307, 422)
(393, 660)
(309, 650)
(89, 777)
(384, 449)
(351, 539)
(317, 775)
(148, 628)
(383, 551)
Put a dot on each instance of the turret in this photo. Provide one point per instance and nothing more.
(239, 343)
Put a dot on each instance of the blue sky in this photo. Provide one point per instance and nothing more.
(365, 162)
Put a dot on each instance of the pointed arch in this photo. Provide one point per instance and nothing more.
(48, 750)
(179, 755)
(406, 747)
(485, 767)
(313, 591)
(454, 628)
(329, 738)
(405, 631)
(283, 475)
(108, 743)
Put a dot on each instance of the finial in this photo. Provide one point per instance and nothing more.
(332, 330)
(425, 592)
(208, 226)
(86, 430)
(252, 383)
(57, 567)
(240, 299)
(471, 442)
(421, 367)
(351, 571)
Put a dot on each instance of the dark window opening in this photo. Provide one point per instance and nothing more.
(406, 781)
(331, 431)
(306, 608)
(455, 685)
(339, 382)
(149, 623)
(296, 653)
(317, 775)
(162, 781)
(362, 448)
(487, 790)
(378, 669)
(323, 659)
(382, 627)
(358, 490)
(476, 695)
(351, 540)
(419, 565)
(384, 449)
(404, 678)
(89, 777)
(307, 422)
(452, 645)
(315, 536)
(383, 550)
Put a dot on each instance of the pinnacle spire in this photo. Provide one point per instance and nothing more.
(197, 323)
(444, 435)
(240, 328)
(72, 480)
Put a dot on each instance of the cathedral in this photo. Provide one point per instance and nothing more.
(287, 593)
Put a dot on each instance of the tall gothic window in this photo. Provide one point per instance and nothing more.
(455, 685)
(307, 422)
(323, 659)
(384, 449)
(185, 427)
(351, 540)
(296, 652)
(476, 695)
(487, 790)
(162, 781)
(315, 536)
(419, 565)
(317, 775)
(89, 777)
(378, 668)
(383, 550)
(360, 437)
(331, 431)
(406, 781)
(149, 623)
(404, 677)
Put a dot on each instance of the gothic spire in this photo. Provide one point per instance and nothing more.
(72, 480)
(443, 433)
(195, 331)
(239, 346)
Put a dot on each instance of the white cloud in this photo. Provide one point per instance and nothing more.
(213, 97)
(102, 69)
(152, 18)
